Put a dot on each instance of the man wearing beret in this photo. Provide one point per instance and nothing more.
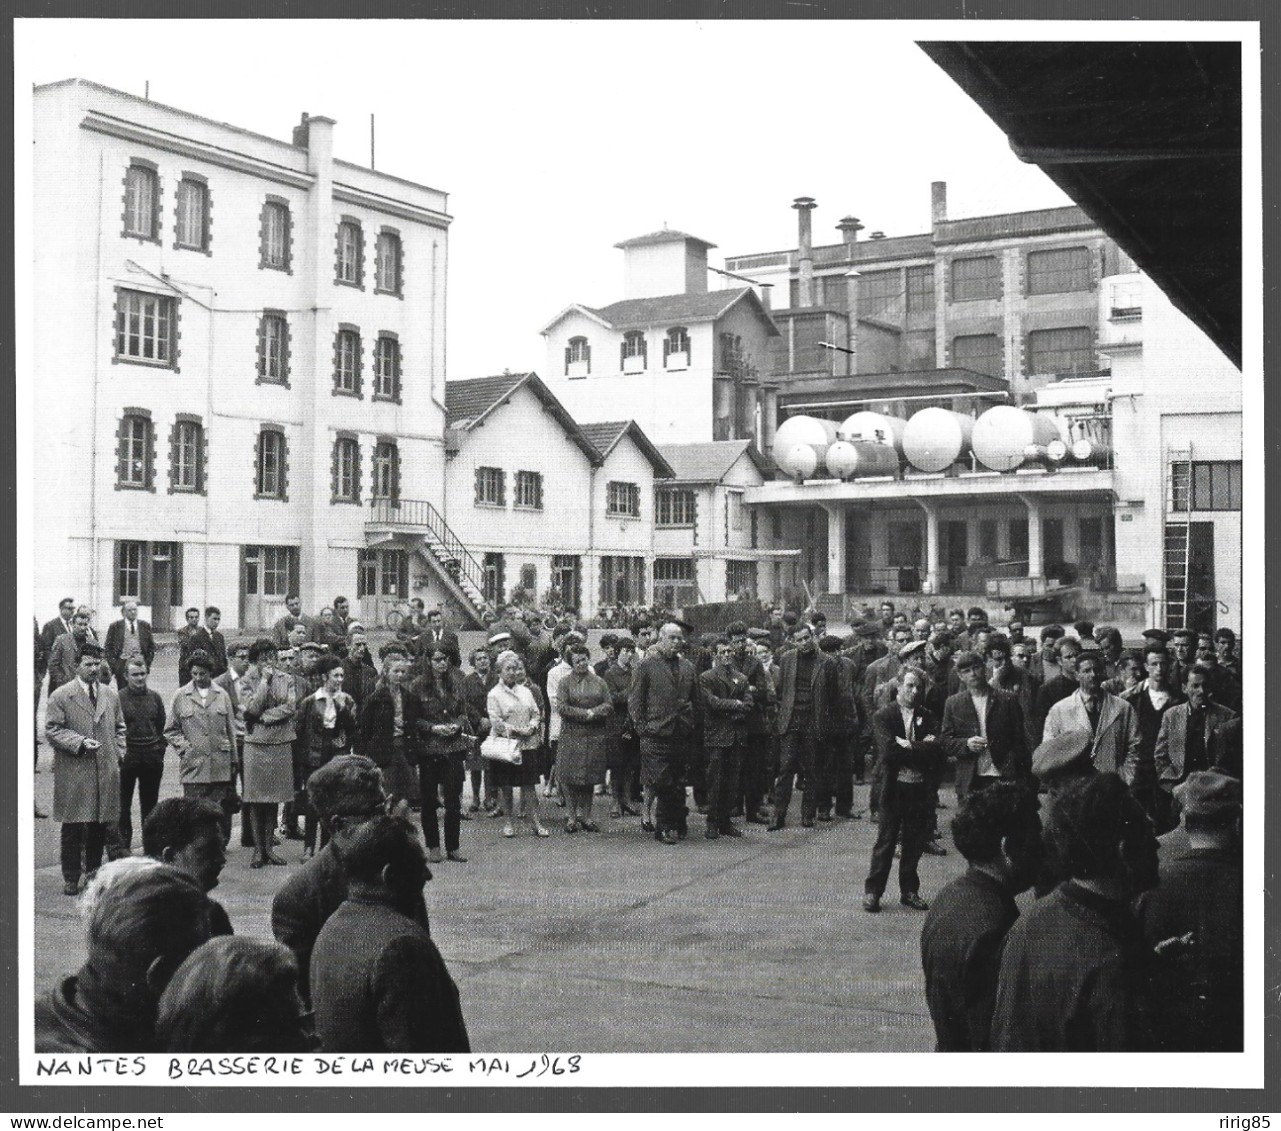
(86, 728)
(1199, 1006)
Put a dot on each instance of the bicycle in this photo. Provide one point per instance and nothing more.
(397, 615)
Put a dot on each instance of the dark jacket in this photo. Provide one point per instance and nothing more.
(1060, 687)
(1023, 686)
(83, 1013)
(1071, 978)
(380, 985)
(1149, 720)
(377, 720)
(114, 646)
(727, 702)
(1006, 736)
(323, 745)
(476, 693)
(144, 713)
(826, 694)
(619, 682)
(359, 678)
(961, 945)
(442, 702)
(924, 757)
(663, 699)
(758, 721)
(303, 904)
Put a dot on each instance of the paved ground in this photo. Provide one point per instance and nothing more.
(614, 943)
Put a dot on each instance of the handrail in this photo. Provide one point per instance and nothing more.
(419, 512)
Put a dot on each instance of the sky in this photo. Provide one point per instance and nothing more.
(555, 140)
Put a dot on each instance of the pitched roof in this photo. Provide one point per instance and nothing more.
(665, 236)
(710, 462)
(669, 310)
(468, 403)
(604, 437)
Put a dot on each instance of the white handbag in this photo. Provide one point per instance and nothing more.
(501, 748)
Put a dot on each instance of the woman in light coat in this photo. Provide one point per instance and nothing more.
(513, 713)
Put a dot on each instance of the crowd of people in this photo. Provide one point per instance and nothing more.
(1069, 753)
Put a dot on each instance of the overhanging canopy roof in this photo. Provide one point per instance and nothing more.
(1146, 138)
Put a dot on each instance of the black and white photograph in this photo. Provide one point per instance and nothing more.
(561, 548)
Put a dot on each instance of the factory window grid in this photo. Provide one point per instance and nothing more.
(146, 328)
(349, 265)
(136, 451)
(1215, 485)
(920, 289)
(622, 500)
(389, 258)
(191, 214)
(491, 487)
(974, 278)
(1059, 270)
(675, 506)
(273, 348)
(347, 362)
(529, 491)
(979, 352)
(187, 454)
(142, 201)
(271, 465)
(879, 292)
(276, 236)
(1068, 349)
(387, 367)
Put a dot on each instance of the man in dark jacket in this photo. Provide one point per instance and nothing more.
(140, 929)
(1075, 972)
(1200, 993)
(983, 730)
(127, 639)
(663, 705)
(756, 778)
(1150, 700)
(186, 833)
(999, 833)
(359, 672)
(345, 793)
(837, 790)
(378, 982)
(907, 743)
(809, 713)
(1060, 686)
(727, 702)
(144, 761)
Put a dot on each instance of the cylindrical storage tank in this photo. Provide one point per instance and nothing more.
(798, 460)
(802, 431)
(1056, 451)
(1089, 451)
(1003, 434)
(936, 438)
(875, 428)
(848, 459)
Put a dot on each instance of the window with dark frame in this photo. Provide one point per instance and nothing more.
(142, 202)
(386, 480)
(529, 490)
(920, 289)
(622, 500)
(1068, 349)
(191, 221)
(348, 269)
(388, 258)
(129, 570)
(394, 574)
(271, 464)
(366, 573)
(146, 328)
(273, 348)
(278, 566)
(347, 362)
(346, 470)
(276, 251)
(979, 352)
(633, 345)
(490, 487)
(676, 343)
(187, 457)
(387, 368)
(976, 278)
(675, 506)
(1216, 485)
(1059, 270)
(136, 459)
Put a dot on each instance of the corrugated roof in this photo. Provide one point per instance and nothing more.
(467, 403)
(669, 310)
(604, 435)
(708, 462)
(665, 236)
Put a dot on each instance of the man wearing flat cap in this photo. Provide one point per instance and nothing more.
(982, 729)
(86, 728)
(1200, 991)
(345, 792)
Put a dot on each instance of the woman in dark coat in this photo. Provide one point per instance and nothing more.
(446, 739)
(327, 726)
(389, 728)
(585, 705)
(476, 685)
(623, 754)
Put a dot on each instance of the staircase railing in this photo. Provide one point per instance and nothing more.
(421, 514)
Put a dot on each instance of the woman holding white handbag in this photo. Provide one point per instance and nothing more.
(514, 715)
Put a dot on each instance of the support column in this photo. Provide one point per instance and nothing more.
(931, 580)
(835, 546)
(1035, 544)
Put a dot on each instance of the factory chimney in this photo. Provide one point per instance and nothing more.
(804, 205)
(938, 203)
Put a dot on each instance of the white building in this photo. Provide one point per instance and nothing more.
(240, 344)
(687, 364)
(542, 504)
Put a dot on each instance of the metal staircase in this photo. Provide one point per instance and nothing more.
(455, 563)
(1178, 536)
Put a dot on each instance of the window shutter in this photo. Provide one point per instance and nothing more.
(293, 570)
(667, 347)
(480, 485)
(122, 450)
(334, 461)
(202, 456)
(538, 491)
(174, 438)
(402, 578)
(395, 474)
(568, 351)
(622, 354)
(175, 574)
(149, 457)
(355, 470)
(284, 467)
(502, 488)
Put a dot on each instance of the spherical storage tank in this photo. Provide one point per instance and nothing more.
(1002, 435)
(847, 459)
(935, 438)
(875, 428)
(802, 432)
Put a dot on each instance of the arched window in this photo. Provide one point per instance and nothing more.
(351, 253)
(676, 348)
(271, 464)
(142, 201)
